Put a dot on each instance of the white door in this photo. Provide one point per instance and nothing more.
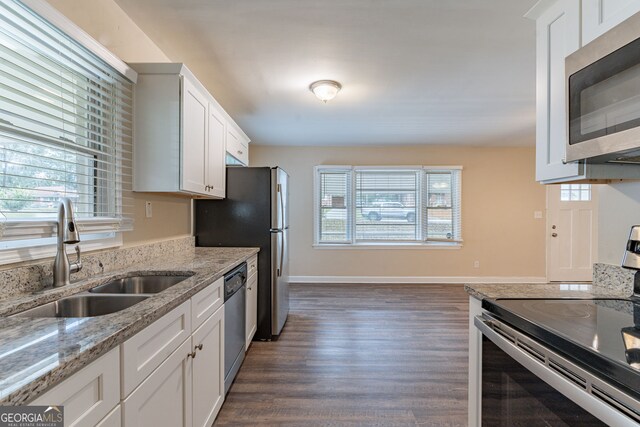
(208, 370)
(194, 139)
(216, 167)
(572, 219)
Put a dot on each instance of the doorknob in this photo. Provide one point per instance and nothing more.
(554, 234)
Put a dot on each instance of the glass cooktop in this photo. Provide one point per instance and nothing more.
(601, 335)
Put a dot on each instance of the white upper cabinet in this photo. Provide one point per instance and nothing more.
(599, 16)
(557, 36)
(559, 26)
(193, 159)
(238, 145)
(180, 134)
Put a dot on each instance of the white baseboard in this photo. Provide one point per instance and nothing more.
(416, 279)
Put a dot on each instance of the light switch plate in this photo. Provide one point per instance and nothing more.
(148, 210)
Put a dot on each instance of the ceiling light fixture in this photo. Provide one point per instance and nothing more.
(325, 90)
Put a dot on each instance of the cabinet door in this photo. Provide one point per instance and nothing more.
(114, 419)
(237, 146)
(89, 394)
(194, 139)
(251, 309)
(208, 370)
(216, 167)
(558, 35)
(599, 16)
(164, 398)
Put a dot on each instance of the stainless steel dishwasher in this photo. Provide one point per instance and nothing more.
(234, 322)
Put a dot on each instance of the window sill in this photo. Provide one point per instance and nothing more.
(34, 253)
(386, 246)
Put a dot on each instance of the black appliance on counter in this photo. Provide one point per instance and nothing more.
(254, 213)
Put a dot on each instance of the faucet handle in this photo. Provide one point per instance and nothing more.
(77, 265)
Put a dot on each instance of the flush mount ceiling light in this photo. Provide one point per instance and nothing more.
(325, 90)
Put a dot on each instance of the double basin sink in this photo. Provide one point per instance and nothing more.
(107, 298)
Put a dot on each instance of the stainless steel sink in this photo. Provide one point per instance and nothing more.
(139, 285)
(84, 306)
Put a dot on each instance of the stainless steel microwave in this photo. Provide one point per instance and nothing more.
(603, 97)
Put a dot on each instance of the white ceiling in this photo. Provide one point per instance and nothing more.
(413, 71)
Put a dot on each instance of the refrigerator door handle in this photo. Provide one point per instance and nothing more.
(281, 254)
(281, 197)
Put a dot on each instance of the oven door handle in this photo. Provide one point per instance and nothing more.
(609, 404)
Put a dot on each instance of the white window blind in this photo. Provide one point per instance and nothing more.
(388, 205)
(334, 216)
(65, 131)
(442, 207)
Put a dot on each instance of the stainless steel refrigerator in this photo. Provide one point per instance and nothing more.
(254, 213)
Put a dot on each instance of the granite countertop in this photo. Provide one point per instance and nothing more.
(544, 290)
(37, 353)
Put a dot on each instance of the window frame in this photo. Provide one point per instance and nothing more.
(39, 234)
(352, 243)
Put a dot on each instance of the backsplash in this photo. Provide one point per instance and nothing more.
(613, 277)
(35, 277)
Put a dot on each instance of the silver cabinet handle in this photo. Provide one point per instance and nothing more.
(199, 347)
(192, 354)
(239, 152)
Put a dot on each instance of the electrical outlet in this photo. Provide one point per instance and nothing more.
(537, 214)
(148, 210)
(476, 264)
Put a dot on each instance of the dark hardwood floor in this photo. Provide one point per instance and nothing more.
(359, 355)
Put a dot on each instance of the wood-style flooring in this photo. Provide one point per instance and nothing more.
(359, 355)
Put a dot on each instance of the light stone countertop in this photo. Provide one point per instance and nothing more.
(38, 353)
(544, 290)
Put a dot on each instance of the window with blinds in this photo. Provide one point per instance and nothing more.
(360, 205)
(65, 131)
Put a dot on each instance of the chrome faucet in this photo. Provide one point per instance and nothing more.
(67, 234)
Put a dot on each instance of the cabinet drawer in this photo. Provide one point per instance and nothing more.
(206, 302)
(114, 419)
(252, 265)
(89, 394)
(165, 397)
(146, 350)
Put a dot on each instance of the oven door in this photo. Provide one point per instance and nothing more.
(525, 384)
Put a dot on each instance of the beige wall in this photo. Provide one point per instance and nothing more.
(107, 23)
(499, 197)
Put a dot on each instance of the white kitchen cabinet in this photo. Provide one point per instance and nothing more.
(165, 397)
(599, 16)
(251, 316)
(180, 133)
(217, 126)
(238, 145)
(193, 158)
(206, 302)
(208, 369)
(89, 394)
(145, 351)
(558, 34)
(114, 419)
(475, 364)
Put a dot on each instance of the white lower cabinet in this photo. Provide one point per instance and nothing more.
(114, 419)
(208, 369)
(90, 394)
(164, 398)
(251, 317)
